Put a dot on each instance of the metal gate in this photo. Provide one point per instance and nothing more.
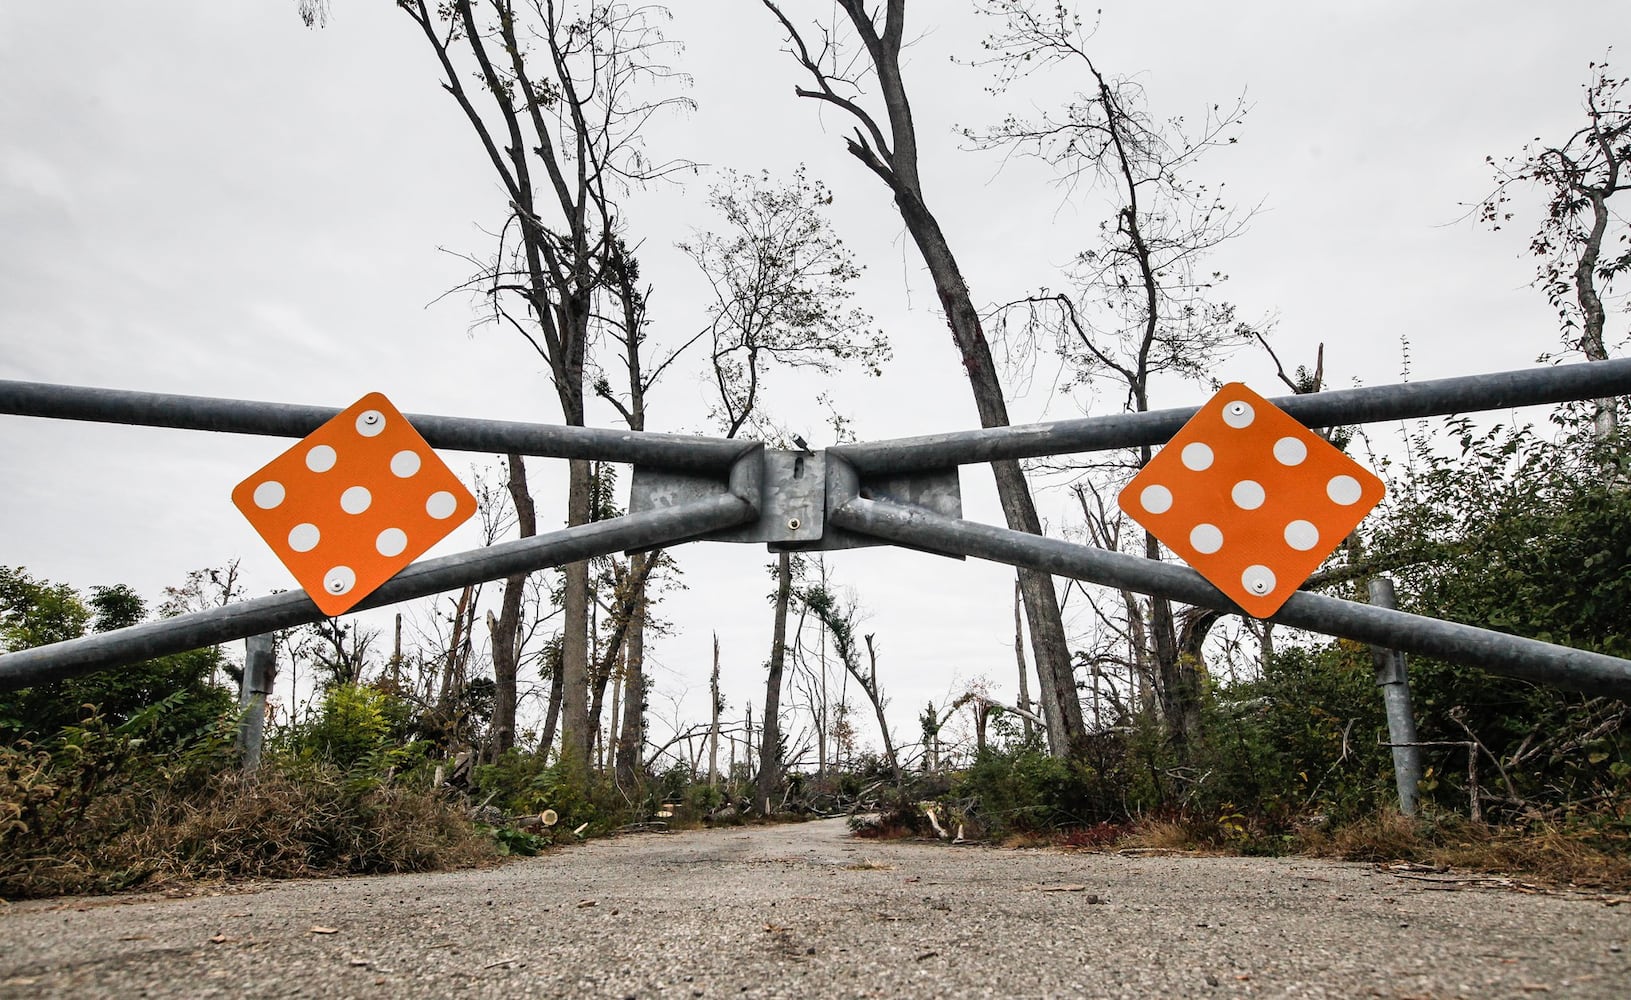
(902, 492)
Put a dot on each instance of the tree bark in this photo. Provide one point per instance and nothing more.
(893, 158)
(576, 736)
(1060, 706)
(713, 719)
(631, 739)
(1024, 669)
(870, 686)
(506, 630)
(552, 714)
(770, 741)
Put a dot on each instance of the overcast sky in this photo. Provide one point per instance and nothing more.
(207, 198)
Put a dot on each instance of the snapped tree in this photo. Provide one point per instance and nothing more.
(888, 147)
(561, 93)
(1582, 246)
(782, 282)
(1143, 309)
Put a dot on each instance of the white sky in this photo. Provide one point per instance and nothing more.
(206, 198)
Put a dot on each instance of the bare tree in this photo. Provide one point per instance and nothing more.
(338, 650)
(1578, 178)
(1144, 307)
(506, 630)
(626, 326)
(561, 94)
(781, 283)
(714, 706)
(840, 623)
(888, 148)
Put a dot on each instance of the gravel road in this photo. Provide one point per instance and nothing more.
(805, 910)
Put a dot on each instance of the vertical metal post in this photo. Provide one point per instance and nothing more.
(1392, 678)
(258, 671)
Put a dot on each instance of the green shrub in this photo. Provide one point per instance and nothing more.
(97, 808)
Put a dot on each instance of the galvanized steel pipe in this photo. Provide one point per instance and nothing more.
(433, 576)
(1403, 401)
(1529, 659)
(239, 416)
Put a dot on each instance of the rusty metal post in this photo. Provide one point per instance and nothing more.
(1393, 679)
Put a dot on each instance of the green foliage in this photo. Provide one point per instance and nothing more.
(1507, 531)
(1304, 739)
(99, 807)
(33, 613)
(1024, 789)
(510, 840)
(522, 782)
(701, 799)
(352, 725)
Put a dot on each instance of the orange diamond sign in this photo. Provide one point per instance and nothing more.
(1250, 498)
(353, 503)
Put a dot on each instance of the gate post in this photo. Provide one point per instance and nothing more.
(258, 669)
(1392, 678)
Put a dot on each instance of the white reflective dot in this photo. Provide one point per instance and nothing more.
(391, 542)
(1343, 490)
(370, 423)
(321, 458)
(1197, 457)
(1238, 413)
(269, 494)
(1206, 538)
(1258, 580)
(356, 500)
(441, 505)
(1290, 451)
(1247, 495)
(304, 537)
(1155, 499)
(404, 464)
(339, 579)
(1302, 535)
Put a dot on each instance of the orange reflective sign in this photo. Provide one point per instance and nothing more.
(1250, 498)
(353, 503)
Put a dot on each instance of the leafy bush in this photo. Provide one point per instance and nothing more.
(34, 612)
(98, 807)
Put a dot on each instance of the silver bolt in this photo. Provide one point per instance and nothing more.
(793, 524)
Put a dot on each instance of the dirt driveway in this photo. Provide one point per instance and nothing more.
(805, 910)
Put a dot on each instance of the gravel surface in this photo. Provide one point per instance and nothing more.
(805, 910)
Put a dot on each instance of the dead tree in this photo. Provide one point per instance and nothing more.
(887, 147)
(561, 92)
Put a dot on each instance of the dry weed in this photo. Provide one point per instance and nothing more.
(231, 826)
(1160, 835)
(1587, 859)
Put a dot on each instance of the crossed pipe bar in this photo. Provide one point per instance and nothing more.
(241, 416)
(434, 576)
(1403, 401)
(1497, 652)
(1494, 651)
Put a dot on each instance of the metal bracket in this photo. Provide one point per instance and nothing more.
(796, 489)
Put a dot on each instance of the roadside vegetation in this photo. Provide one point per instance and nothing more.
(129, 778)
(518, 717)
